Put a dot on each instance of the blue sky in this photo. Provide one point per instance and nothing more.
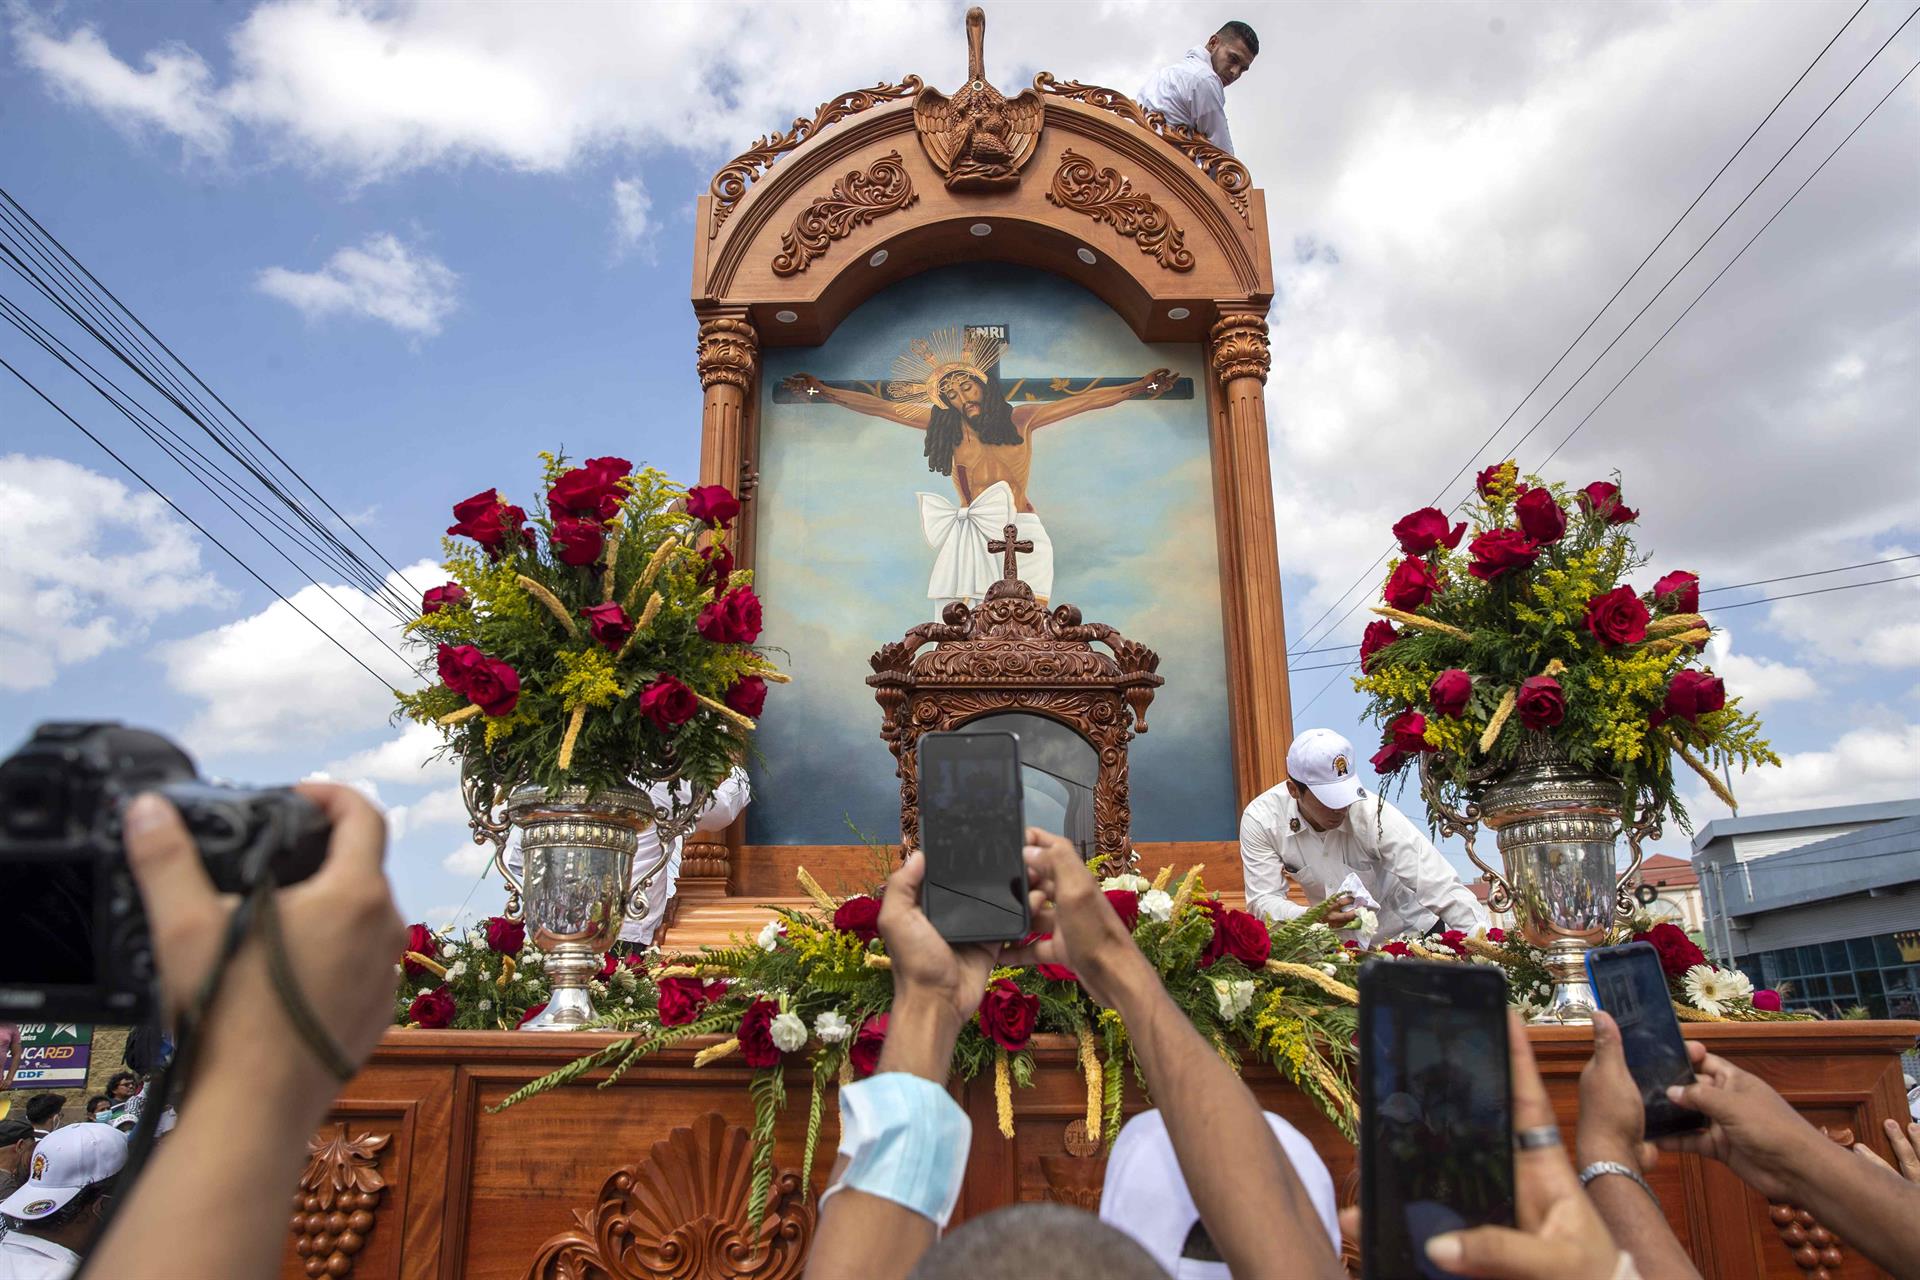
(413, 244)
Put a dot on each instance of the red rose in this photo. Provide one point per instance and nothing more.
(867, 1043)
(1397, 949)
(1499, 551)
(438, 598)
(457, 663)
(1052, 972)
(716, 569)
(1235, 933)
(1496, 935)
(1692, 694)
(609, 624)
(1617, 617)
(1410, 585)
(1678, 592)
(421, 942)
(1126, 905)
(1541, 704)
(1389, 760)
(577, 542)
(633, 962)
(505, 936)
(1540, 516)
(1450, 691)
(1007, 1014)
(609, 965)
(732, 619)
(1376, 637)
(1408, 733)
(668, 703)
(1603, 499)
(713, 503)
(488, 521)
(756, 1037)
(859, 916)
(1423, 530)
(1454, 940)
(747, 695)
(682, 999)
(1485, 479)
(590, 491)
(1767, 1000)
(433, 1008)
(1677, 951)
(493, 686)
(530, 1015)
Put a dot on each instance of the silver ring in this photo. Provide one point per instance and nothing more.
(1546, 1135)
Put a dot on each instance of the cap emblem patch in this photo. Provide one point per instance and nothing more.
(1339, 766)
(39, 1168)
(37, 1208)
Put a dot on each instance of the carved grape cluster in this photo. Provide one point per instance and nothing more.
(328, 1239)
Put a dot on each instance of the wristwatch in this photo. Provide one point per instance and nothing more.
(1600, 1168)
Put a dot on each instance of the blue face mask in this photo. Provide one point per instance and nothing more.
(906, 1140)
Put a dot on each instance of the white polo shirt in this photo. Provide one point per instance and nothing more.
(1399, 866)
(25, 1257)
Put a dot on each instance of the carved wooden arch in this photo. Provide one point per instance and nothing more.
(1012, 654)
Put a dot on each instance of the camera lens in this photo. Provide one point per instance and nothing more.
(33, 802)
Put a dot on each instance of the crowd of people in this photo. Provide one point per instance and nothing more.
(1207, 1184)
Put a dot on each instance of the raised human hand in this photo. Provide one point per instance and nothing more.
(927, 967)
(1906, 1150)
(1065, 902)
(804, 384)
(1751, 1129)
(1156, 382)
(1613, 1115)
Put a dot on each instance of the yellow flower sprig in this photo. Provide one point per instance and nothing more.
(713, 1053)
(1306, 972)
(572, 737)
(1160, 880)
(613, 559)
(1096, 1087)
(1185, 895)
(654, 564)
(428, 963)
(744, 721)
(811, 887)
(1425, 624)
(552, 602)
(455, 717)
(640, 625)
(1003, 1092)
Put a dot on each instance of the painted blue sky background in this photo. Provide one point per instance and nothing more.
(414, 243)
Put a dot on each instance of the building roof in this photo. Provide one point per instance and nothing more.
(1786, 819)
(1663, 872)
(1885, 855)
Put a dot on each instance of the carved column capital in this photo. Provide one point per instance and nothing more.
(1240, 347)
(729, 352)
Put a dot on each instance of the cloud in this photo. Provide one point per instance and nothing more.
(402, 759)
(468, 859)
(174, 94)
(1862, 766)
(1757, 682)
(442, 808)
(633, 225)
(85, 565)
(1872, 626)
(381, 279)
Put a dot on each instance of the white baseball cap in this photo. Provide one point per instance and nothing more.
(1146, 1195)
(65, 1163)
(1323, 762)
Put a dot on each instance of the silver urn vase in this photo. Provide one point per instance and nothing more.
(1556, 826)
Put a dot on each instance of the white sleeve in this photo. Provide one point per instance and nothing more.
(1431, 877)
(726, 803)
(1266, 878)
(1210, 112)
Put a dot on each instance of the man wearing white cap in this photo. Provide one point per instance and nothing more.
(1146, 1196)
(55, 1213)
(1311, 828)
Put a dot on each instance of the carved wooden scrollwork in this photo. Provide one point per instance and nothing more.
(333, 1209)
(728, 352)
(855, 200)
(1227, 173)
(978, 139)
(730, 185)
(1240, 348)
(1011, 654)
(1105, 196)
(1077, 1177)
(1815, 1250)
(682, 1213)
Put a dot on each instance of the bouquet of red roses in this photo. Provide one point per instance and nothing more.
(605, 638)
(1533, 627)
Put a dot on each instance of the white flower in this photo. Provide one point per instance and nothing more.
(426, 991)
(1138, 884)
(770, 935)
(455, 969)
(1527, 1009)
(788, 1032)
(1543, 990)
(627, 1001)
(1329, 970)
(1233, 998)
(831, 1027)
(596, 986)
(1156, 904)
(1319, 926)
(447, 952)
(1712, 990)
(485, 1005)
(1364, 922)
(399, 968)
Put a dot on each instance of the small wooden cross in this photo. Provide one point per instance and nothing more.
(1011, 545)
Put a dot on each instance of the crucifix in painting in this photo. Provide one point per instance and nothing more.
(979, 433)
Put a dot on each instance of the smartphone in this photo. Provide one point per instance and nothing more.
(1630, 985)
(972, 827)
(1436, 1119)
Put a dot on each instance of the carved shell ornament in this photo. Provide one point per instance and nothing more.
(978, 139)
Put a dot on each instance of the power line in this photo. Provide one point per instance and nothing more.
(1474, 456)
(1817, 591)
(1816, 573)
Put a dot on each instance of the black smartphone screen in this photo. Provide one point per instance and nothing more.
(1436, 1122)
(971, 830)
(1629, 984)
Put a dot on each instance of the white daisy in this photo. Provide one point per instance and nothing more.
(831, 1027)
(1233, 998)
(770, 935)
(455, 969)
(1711, 990)
(1364, 922)
(1138, 884)
(788, 1032)
(447, 952)
(1156, 904)
(485, 1005)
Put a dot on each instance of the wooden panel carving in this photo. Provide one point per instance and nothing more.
(1105, 196)
(978, 139)
(856, 200)
(1227, 172)
(1815, 1250)
(333, 1210)
(683, 1213)
(1011, 654)
(1077, 1177)
(1240, 348)
(730, 185)
(728, 353)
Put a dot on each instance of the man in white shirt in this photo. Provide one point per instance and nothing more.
(1311, 827)
(55, 1214)
(1193, 91)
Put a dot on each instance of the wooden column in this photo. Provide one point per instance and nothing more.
(729, 364)
(1249, 553)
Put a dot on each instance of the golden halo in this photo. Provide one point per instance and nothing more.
(919, 370)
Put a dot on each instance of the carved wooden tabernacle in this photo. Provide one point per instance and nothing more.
(1012, 654)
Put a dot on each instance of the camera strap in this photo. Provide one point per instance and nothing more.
(299, 1011)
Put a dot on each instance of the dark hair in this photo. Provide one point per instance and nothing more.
(42, 1107)
(946, 426)
(1026, 1240)
(12, 1131)
(95, 1102)
(113, 1081)
(66, 1213)
(1237, 30)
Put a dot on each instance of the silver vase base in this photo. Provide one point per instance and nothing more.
(1570, 1005)
(569, 1009)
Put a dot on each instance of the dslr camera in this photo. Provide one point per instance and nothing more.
(74, 945)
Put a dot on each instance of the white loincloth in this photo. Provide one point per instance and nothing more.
(963, 568)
